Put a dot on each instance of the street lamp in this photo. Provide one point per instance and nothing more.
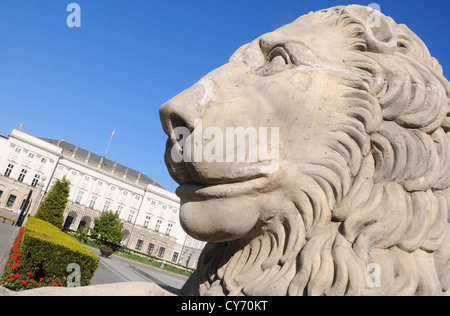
(24, 210)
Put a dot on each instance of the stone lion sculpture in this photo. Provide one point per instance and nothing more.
(360, 202)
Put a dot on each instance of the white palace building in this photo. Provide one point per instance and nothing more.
(149, 212)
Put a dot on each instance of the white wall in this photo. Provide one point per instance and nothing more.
(29, 153)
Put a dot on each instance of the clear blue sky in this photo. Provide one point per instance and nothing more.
(130, 56)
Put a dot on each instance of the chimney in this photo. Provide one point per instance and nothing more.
(154, 182)
(20, 127)
(74, 152)
(138, 178)
(101, 162)
(114, 168)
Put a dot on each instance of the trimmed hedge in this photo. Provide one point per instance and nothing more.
(46, 252)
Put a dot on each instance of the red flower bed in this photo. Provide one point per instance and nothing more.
(14, 278)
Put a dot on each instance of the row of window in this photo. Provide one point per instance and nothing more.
(158, 225)
(124, 193)
(164, 207)
(22, 175)
(151, 248)
(106, 205)
(99, 183)
(131, 214)
(30, 154)
(113, 188)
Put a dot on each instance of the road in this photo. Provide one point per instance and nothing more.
(8, 234)
(117, 269)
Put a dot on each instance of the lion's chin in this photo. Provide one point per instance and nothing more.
(219, 220)
(224, 212)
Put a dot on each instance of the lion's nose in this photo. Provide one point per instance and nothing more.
(183, 110)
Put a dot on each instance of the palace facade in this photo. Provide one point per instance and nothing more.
(149, 212)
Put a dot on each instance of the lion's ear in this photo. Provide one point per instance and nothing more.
(379, 33)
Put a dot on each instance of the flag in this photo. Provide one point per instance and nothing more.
(109, 144)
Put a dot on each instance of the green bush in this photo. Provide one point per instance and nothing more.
(108, 230)
(46, 252)
(54, 205)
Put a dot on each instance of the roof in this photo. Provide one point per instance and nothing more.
(104, 164)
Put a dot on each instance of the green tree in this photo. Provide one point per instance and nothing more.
(108, 228)
(83, 233)
(52, 209)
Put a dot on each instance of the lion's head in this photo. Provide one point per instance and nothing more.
(363, 163)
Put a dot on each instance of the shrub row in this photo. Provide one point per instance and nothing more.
(46, 252)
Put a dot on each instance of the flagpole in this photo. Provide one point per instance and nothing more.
(109, 144)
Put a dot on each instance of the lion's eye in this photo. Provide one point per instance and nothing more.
(278, 55)
(277, 60)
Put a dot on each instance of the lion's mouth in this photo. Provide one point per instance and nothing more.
(206, 192)
(196, 183)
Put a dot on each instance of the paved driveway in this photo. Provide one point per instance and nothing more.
(117, 269)
(8, 234)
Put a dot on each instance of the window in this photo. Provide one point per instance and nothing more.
(18, 150)
(137, 198)
(11, 200)
(30, 155)
(130, 216)
(161, 252)
(1, 193)
(164, 207)
(106, 207)
(9, 170)
(79, 197)
(112, 188)
(169, 229)
(147, 221)
(22, 175)
(100, 183)
(87, 178)
(119, 209)
(175, 256)
(174, 211)
(158, 225)
(139, 244)
(35, 181)
(44, 160)
(74, 173)
(93, 201)
(61, 168)
(150, 249)
(153, 203)
(124, 193)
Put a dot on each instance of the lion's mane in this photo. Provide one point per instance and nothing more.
(382, 196)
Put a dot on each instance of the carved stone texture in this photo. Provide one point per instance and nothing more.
(359, 203)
